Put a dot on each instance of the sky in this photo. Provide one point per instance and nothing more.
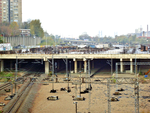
(71, 18)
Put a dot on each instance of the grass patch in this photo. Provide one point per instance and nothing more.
(113, 79)
(144, 80)
(5, 76)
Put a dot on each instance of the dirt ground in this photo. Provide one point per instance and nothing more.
(4, 94)
(95, 102)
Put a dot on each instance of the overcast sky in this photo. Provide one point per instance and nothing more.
(73, 17)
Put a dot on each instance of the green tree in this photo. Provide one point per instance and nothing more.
(85, 36)
(4, 23)
(50, 40)
(5, 30)
(1, 39)
(25, 25)
(36, 29)
(15, 29)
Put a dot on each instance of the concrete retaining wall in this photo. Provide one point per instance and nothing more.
(27, 41)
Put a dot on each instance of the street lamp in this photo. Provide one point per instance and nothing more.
(35, 40)
(56, 68)
(23, 38)
(68, 90)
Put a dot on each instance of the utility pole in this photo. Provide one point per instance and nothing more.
(67, 67)
(75, 106)
(111, 66)
(23, 39)
(35, 40)
(80, 83)
(55, 40)
(53, 72)
(16, 73)
(70, 68)
(89, 73)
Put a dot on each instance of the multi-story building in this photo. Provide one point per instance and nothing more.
(11, 11)
(0, 11)
(5, 10)
(16, 11)
(25, 32)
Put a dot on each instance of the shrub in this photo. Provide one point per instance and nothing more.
(8, 75)
(113, 80)
(50, 73)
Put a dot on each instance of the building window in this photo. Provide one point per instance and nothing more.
(15, 0)
(16, 20)
(15, 12)
(15, 9)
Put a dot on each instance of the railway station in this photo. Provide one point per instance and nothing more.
(78, 72)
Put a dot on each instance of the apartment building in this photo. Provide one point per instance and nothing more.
(4, 10)
(0, 11)
(11, 11)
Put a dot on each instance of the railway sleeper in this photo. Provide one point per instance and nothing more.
(2, 104)
(7, 90)
(85, 91)
(114, 99)
(9, 97)
(62, 89)
(116, 93)
(52, 91)
(52, 98)
(121, 89)
(45, 83)
(79, 99)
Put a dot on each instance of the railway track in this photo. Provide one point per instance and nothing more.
(4, 86)
(18, 100)
(14, 108)
(17, 103)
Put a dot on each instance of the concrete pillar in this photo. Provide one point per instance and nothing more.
(121, 65)
(75, 65)
(2, 65)
(46, 67)
(85, 66)
(131, 66)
